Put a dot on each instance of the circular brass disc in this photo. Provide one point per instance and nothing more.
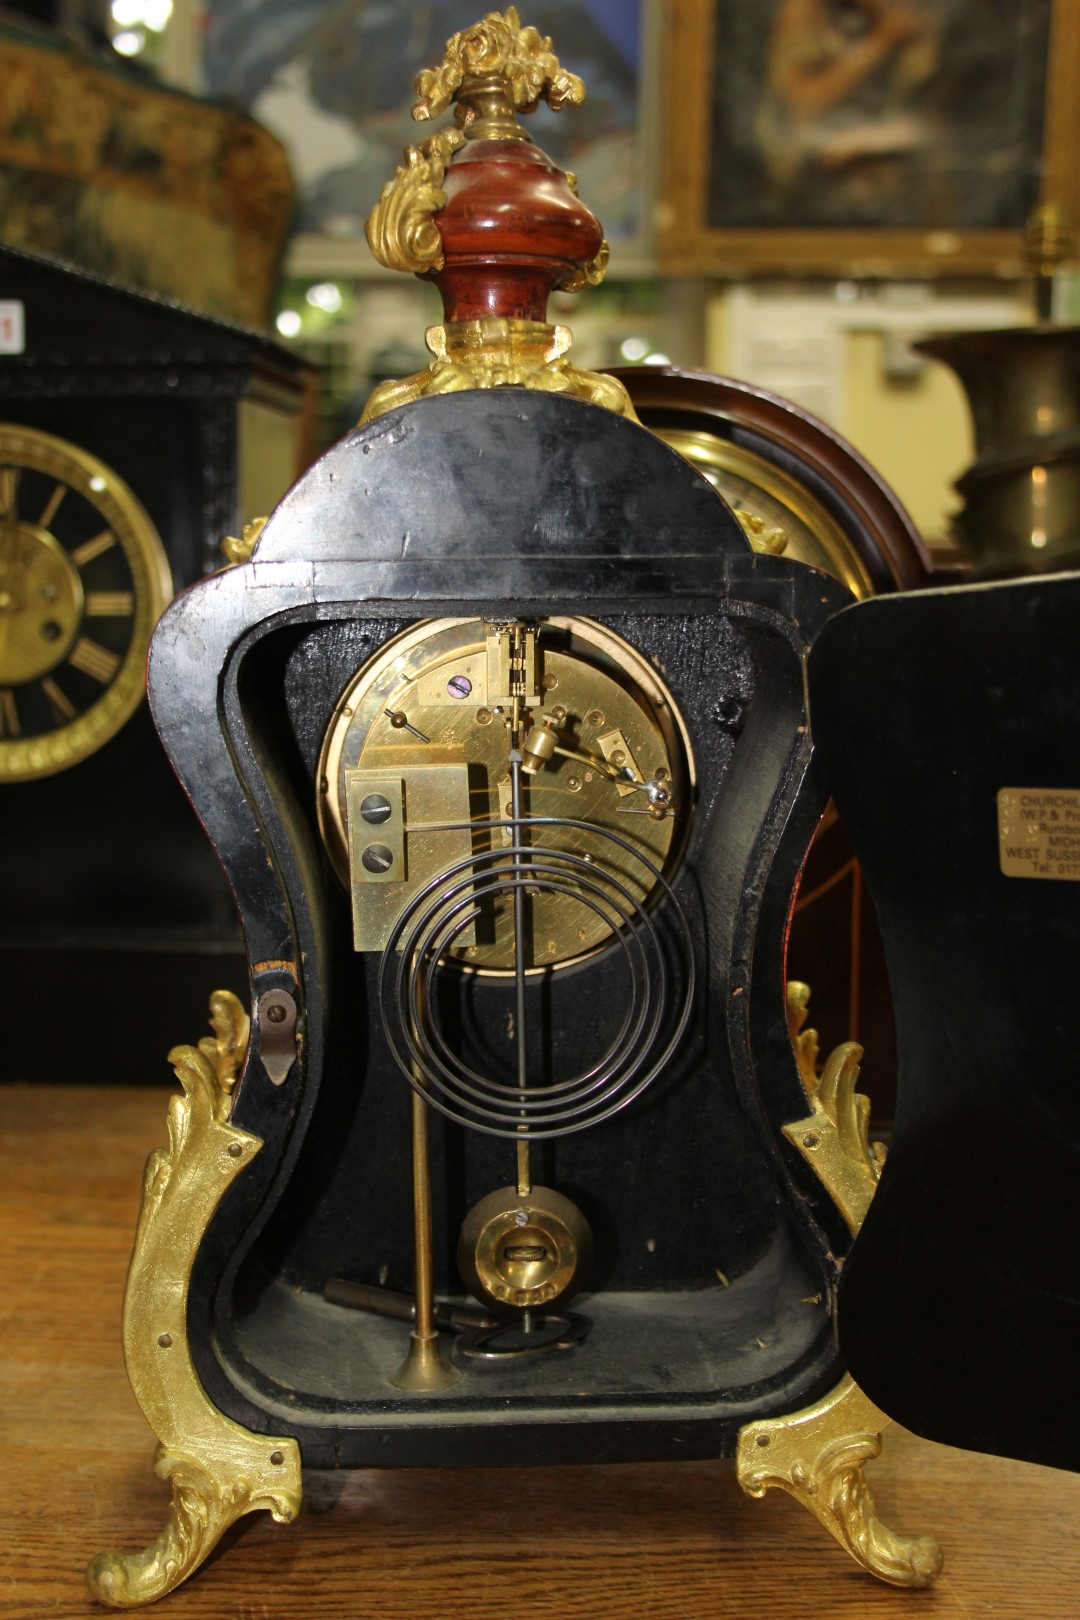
(524, 1251)
(767, 500)
(41, 603)
(423, 698)
(83, 580)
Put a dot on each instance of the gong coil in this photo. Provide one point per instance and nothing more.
(657, 951)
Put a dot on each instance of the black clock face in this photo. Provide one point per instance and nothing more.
(83, 581)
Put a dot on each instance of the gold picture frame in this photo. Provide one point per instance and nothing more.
(770, 239)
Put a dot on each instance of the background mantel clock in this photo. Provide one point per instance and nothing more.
(134, 435)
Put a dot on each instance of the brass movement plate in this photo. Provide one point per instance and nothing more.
(427, 692)
(1039, 833)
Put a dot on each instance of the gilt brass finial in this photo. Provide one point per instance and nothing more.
(496, 49)
(489, 73)
(497, 227)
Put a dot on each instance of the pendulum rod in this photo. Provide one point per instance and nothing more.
(524, 1170)
(424, 1368)
(425, 1275)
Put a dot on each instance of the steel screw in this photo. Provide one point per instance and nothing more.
(377, 858)
(375, 808)
(276, 1013)
(459, 686)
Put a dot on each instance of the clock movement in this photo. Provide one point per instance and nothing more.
(519, 1152)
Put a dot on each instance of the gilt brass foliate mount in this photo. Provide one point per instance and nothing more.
(497, 48)
(498, 353)
(497, 227)
(834, 1138)
(401, 229)
(817, 1455)
(239, 548)
(218, 1470)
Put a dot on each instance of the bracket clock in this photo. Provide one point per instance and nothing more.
(519, 1151)
(133, 434)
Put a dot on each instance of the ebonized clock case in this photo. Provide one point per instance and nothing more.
(716, 1249)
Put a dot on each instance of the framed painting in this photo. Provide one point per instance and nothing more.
(867, 137)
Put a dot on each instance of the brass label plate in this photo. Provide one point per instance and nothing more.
(1039, 832)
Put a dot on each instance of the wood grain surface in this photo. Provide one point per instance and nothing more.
(666, 1542)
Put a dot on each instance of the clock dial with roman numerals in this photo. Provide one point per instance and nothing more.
(83, 581)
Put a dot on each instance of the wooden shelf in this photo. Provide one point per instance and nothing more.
(666, 1542)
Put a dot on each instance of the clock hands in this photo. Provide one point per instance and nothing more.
(9, 493)
(400, 722)
(52, 506)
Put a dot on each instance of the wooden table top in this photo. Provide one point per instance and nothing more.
(652, 1542)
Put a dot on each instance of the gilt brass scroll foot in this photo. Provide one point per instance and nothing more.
(218, 1470)
(205, 1502)
(817, 1456)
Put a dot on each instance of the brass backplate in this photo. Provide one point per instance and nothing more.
(423, 724)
